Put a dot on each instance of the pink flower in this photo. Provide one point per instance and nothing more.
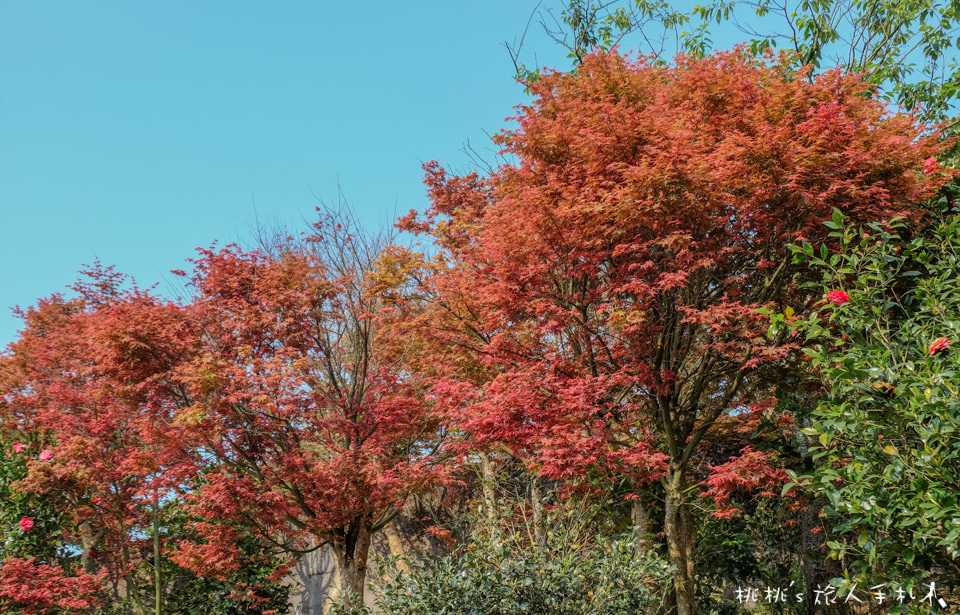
(26, 524)
(838, 296)
(865, 235)
(938, 345)
(928, 165)
(97, 500)
(17, 448)
(844, 336)
(880, 437)
(45, 455)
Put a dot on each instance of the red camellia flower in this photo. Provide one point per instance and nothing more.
(96, 500)
(26, 523)
(17, 448)
(928, 165)
(46, 455)
(838, 297)
(938, 345)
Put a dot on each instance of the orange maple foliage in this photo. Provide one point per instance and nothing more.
(317, 438)
(593, 304)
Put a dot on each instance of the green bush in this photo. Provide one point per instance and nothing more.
(509, 575)
(887, 438)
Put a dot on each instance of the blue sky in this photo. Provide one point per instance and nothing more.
(134, 132)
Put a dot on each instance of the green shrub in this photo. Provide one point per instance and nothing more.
(505, 575)
(887, 438)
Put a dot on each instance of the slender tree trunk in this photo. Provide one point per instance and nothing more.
(812, 561)
(130, 586)
(158, 605)
(681, 542)
(641, 522)
(396, 547)
(536, 502)
(689, 531)
(351, 555)
(489, 484)
(88, 540)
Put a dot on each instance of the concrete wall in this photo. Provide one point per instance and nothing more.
(315, 579)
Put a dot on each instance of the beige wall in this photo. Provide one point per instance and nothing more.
(315, 578)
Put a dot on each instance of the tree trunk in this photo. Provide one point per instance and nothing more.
(130, 589)
(489, 484)
(396, 547)
(88, 540)
(351, 555)
(681, 542)
(689, 531)
(536, 502)
(814, 566)
(158, 604)
(641, 522)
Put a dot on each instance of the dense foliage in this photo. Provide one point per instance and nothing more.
(888, 435)
(908, 47)
(576, 568)
(594, 306)
(697, 333)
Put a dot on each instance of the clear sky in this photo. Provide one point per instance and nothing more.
(134, 132)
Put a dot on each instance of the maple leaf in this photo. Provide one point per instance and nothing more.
(597, 298)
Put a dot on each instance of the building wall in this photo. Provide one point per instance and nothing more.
(315, 579)
(315, 576)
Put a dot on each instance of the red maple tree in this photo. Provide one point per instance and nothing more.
(316, 438)
(90, 378)
(38, 589)
(593, 305)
